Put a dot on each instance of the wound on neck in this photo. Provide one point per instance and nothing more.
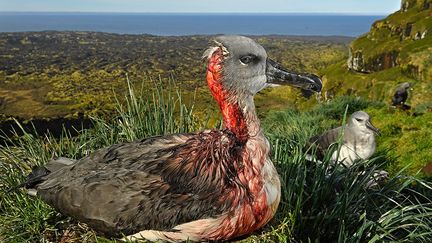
(233, 116)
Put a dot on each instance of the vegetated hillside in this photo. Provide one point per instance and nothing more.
(397, 49)
(46, 74)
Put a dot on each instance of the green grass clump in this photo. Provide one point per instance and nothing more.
(290, 124)
(339, 81)
(324, 204)
(29, 219)
(319, 203)
(405, 137)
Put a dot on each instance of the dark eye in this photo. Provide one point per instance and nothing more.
(248, 59)
(359, 120)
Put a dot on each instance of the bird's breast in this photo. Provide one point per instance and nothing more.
(351, 152)
(366, 147)
(256, 200)
(272, 186)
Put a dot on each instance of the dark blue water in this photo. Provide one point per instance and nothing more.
(190, 24)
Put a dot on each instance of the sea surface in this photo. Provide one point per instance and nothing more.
(190, 24)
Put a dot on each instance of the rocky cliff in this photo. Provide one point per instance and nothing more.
(403, 39)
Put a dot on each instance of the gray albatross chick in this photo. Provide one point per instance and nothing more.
(358, 140)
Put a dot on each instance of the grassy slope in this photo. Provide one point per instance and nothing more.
(311, 208)
(405, 134)
(338, 80)
(389, 35)
(404, 138)
(401, 33)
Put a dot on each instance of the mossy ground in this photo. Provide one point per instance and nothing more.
(405, 133)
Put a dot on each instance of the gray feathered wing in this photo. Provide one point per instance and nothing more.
(323, 141)
(156, 183)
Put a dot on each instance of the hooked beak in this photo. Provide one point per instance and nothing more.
(308, 83)
(373, 128)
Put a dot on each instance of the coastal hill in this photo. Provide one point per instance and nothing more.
(403, 39)
(396, 49)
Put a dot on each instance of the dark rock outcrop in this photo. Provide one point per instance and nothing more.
(380, 62)
(410, 4)
(42, 126)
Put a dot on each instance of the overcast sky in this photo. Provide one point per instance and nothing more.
(232, 6)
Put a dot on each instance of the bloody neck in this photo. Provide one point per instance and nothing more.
(238, 111)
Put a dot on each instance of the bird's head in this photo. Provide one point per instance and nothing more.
(241, 66)
(361, 123)
(405, 86)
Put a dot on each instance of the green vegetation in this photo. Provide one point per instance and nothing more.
(397, 49)
(319, 203)
(406, 33)
(405, 139)
(48, 74)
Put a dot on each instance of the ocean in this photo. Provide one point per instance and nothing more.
(190, 24)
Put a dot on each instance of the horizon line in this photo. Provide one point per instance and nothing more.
(258, 13)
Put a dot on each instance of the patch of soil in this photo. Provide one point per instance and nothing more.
(428, 169)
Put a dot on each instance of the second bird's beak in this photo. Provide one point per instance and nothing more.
(308, 83)
(373, 128)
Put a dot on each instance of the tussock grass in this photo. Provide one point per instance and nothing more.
(320, 203)
(333, 204)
